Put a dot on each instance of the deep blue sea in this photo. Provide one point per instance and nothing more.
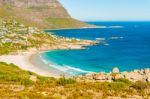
(125, 45)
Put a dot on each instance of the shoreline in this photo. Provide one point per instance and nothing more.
(23, 61)
(78, 28)
(49, 67)
(23, 58)
(94, 27)
(29, 60)
(133, 76)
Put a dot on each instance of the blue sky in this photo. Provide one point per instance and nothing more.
(108, 10)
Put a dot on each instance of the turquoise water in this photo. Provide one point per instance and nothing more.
(125, 45)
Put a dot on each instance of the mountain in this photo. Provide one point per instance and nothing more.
(45, 14)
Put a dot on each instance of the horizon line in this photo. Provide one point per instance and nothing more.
(115, 20)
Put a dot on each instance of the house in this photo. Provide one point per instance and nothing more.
(32, 30)
(1, 35)
(17, 40)
(6, 40)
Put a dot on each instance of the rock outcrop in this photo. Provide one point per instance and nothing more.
(136, 75)
(116, 70)
(47, 8)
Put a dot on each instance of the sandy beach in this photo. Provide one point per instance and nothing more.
(30, 59)
(23, 60)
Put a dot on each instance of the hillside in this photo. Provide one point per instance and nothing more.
(19, 84)
(15, 37)
(45, 14)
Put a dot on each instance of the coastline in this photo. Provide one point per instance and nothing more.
(134, 75)
(92, 27)
(51, 69)
(29, 60)
(78, 28)
(23, 59)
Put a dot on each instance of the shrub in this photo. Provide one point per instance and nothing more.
(26, 82)
(46, 80)
(123, 80)
(140, 85)
(117, 85)
(64, 81)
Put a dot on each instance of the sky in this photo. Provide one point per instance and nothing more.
(108, 10)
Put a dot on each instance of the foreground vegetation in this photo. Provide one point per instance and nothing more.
(17, 83)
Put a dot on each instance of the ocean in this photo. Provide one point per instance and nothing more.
(125, 45)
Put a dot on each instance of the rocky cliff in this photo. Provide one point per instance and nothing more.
(40, 13)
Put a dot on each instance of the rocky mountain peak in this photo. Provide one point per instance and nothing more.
(32, 3)
(39, 13)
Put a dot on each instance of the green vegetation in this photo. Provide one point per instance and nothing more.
(139, 85)
(123, 80)
(11, 74)
(57, 23)
(63, 81)
(38, 8)
(17, 83)
(48, 18)
(3, 13)
(15, 37)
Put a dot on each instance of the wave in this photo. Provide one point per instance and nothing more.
(113, 38)
(46, 62)
(115, 26)
(100, 39)
(110, 27)
(64, 68)
(78, 69)
(53, 65)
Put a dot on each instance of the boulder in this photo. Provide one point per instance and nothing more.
(136, 71)
(89, 76)
(119, 76)
(115, 70)
(101, 76)
(146, 71)
(148, 78)
(141, 72)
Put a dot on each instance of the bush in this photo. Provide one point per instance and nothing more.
(117, 85)
(64, 81)
(46, 80)
(123, 80)
(10, 73)
(26, 82)
(140, 85)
